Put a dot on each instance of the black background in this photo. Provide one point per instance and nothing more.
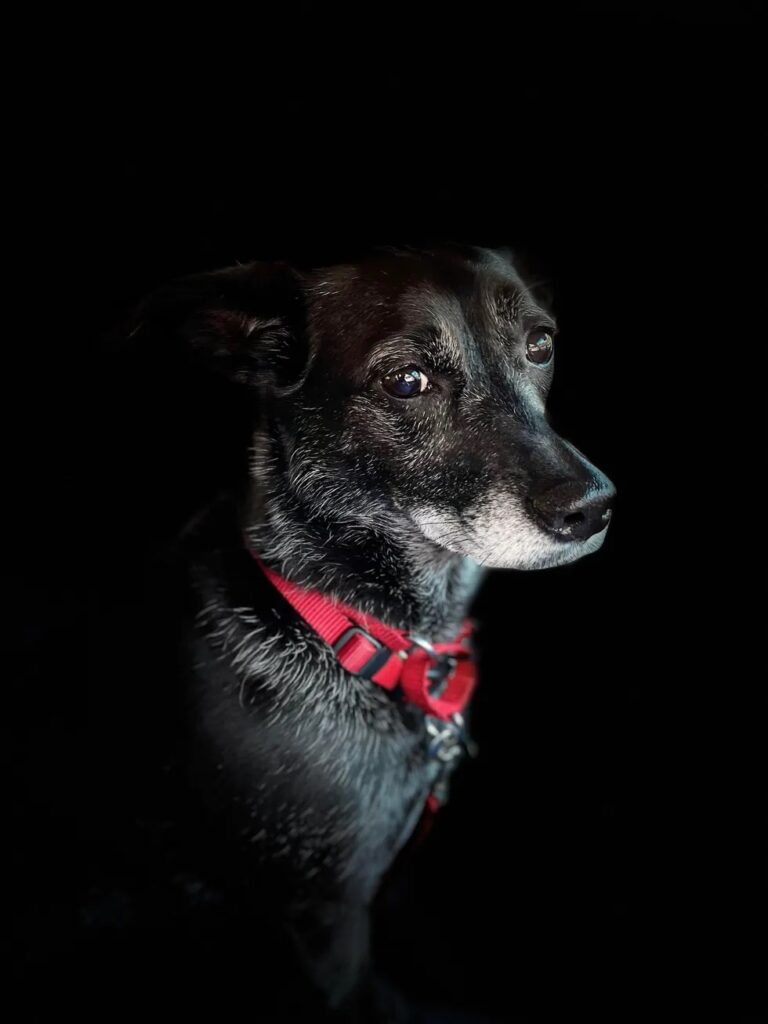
(601, 856)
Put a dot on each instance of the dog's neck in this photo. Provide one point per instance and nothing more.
(387, 570)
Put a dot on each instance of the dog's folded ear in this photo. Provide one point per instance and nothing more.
(247, 323)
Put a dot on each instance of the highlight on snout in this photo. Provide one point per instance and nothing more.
(497, 532)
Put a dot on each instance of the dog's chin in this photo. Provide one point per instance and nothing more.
(563, 553)
(511, 542)
(545, 554)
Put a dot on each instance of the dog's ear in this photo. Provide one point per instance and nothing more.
(247, 323)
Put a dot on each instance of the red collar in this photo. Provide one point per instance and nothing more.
(438, 678)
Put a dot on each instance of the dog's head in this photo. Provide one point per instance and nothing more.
(407, 393)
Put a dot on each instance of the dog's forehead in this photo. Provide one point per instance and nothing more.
(458, 294)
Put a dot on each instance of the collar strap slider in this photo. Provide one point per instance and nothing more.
(360, 653)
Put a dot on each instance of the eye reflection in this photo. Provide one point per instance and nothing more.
(540, 346)
(406, 382)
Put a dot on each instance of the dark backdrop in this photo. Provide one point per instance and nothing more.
(601, 856)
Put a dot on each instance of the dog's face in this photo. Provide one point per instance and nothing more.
(407, 393)
(431, 374)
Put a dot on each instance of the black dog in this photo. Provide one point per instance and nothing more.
(398, 444)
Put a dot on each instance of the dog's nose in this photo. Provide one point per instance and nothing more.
(573, 513)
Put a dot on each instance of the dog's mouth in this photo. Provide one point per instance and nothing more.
(500, 534)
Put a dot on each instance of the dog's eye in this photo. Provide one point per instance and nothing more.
(407, 382)
(539, 346)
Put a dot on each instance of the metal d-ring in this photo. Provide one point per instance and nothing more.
(443, 666)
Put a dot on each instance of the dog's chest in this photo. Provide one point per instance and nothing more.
(319, 771)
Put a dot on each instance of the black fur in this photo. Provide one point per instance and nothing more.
(264, 790)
